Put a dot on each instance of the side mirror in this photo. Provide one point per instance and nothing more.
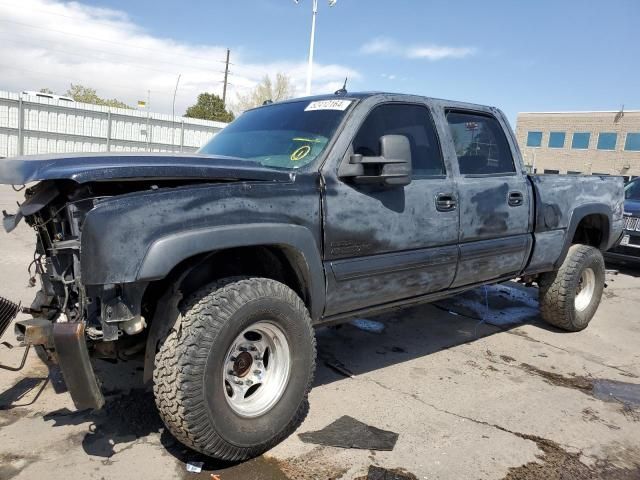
(392, 168)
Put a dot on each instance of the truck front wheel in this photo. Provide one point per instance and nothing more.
(570, 296)
(231, 381)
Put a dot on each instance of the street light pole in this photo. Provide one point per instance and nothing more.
(314, 13)
(173, 114)
(226, 80)
(311, 45)
(148, 131)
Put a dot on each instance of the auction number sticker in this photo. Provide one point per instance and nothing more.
(328, 105)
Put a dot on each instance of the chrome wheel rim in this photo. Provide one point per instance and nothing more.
(585, 289)
(256, 369)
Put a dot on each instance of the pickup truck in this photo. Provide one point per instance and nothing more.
(298, 214)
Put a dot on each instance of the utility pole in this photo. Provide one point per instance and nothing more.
(226, 77)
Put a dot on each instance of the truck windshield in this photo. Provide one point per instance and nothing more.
(632, 191)
(287, 135)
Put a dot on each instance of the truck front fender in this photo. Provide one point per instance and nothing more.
(168, 251)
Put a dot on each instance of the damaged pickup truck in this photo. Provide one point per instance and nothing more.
(301, 213)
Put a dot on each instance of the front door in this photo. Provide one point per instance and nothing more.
(493, 197)
(392, 243)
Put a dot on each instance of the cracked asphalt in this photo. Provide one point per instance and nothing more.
(473, 393)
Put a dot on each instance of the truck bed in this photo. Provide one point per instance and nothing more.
(560, 201)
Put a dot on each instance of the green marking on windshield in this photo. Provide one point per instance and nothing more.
(299, 139)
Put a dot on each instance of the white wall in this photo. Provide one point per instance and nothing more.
(32, 125)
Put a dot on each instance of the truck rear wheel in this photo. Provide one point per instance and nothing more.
(570, 296)
(231, 381)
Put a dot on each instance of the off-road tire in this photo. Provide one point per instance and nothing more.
(557, 290)
(189, 367)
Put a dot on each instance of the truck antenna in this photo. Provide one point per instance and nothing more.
(343, 90)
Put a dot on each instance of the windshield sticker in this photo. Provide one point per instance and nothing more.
(300, 153)
(328, 105)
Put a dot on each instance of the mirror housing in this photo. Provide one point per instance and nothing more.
(392, 168)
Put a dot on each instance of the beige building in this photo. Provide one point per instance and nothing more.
(581, 142)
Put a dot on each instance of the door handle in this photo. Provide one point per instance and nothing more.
(446, 202)
(516, 199)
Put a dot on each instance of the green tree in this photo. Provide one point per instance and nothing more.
(267, 89)
(83, 94)
(209, 107)
(47, 90)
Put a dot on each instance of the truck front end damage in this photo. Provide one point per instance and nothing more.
(90, 299)
(71, 320)
(64, 321)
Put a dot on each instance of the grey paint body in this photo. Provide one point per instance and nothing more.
(361, 248)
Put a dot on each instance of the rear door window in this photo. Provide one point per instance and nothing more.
(480, 143)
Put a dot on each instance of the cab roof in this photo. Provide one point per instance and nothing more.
(395, 95)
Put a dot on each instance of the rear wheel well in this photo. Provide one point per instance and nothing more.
(279, 263)
(592, 230)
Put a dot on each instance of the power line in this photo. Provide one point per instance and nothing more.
(37, 27)
(112, 86)
(245, 67)
(93, 20)
(48, 74)
(48, 49)
(224, 82)
(107, 53)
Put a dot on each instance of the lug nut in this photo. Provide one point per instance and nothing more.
(253, 348)
(249, 382)
(239, 382)
(257, 372)
(258, 358)
(242, 349)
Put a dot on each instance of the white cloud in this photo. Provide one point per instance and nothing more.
(50, 43)
(379, 45)
(435, 52)
(430, 52)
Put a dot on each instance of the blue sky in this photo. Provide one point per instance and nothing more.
(517, 55)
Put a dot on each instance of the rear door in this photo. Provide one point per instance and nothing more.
(386, 244)
(493, 197)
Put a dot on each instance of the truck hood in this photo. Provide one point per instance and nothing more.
(100, 167)
(632, 207)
